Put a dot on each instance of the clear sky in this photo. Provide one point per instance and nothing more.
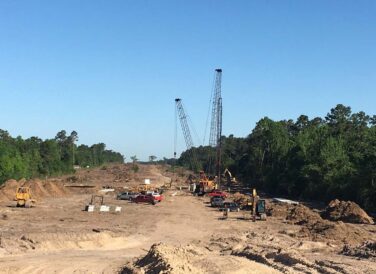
(111, 69)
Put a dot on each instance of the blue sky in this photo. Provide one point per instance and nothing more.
(112, 69)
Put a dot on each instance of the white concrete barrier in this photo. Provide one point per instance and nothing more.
(90, 208)
(102, 208)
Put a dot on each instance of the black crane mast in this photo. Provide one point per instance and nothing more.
(216, 121)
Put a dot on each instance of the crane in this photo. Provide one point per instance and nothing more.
(186, 132)
(216, 122)
(204, 183)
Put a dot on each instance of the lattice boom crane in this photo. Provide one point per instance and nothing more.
(186, 132)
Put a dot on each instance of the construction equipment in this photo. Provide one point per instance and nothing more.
(252, 203)
(216, 126)
(187, 134)
(229, 178)
(258, 207)
(23, 197)
(206, 184)
(143, 187)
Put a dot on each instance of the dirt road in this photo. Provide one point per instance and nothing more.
(57, 236)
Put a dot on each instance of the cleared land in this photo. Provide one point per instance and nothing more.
(180, 235)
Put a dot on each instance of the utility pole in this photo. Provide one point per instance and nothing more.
(73, 140)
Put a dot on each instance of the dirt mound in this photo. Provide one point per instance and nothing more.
(296, 214)
(163, 258)
(314, 227)
(346, 211)
(334, 231)
(278, 210)
(193, 258)
(241, 199)
(39, 189)
(366, 250)
(8, 190)
(300, 214)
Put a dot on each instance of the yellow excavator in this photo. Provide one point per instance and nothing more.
(229, 178)
(23, 197)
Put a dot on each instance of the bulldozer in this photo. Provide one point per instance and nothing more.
(23, 197)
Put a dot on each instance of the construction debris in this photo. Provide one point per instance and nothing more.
(79, 185)
(367, 250)
(346, 211)
(241, 199)
(281, 200)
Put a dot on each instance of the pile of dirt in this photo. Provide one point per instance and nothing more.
(163, 258)
(8, 190)
(334, 231)
(300, 214)
(39, 189)
(241, 199)
(121, 173)
(295, 214)
(313, 226)
(346, 211)
(278, 210)
(366, 250)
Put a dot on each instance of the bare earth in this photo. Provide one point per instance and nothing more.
(182, 234)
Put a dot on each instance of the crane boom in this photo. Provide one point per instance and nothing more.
(216, 122)
(216, 118)
(186, 132)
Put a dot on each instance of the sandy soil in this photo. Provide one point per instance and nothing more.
(182, 234)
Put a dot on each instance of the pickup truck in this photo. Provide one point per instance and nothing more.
(157, 196)
(217, 193)
(148, 199)
(127, 195)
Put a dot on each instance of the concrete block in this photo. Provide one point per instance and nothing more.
(104, 208)
(90, 208)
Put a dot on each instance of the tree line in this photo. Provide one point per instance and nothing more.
(34, 157)
(319, 158)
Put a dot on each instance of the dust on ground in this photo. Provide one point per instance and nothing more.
(182, 234)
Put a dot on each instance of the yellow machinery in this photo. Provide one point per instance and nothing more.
(258, 207)
(206, 184)
(23, 197)
(252, 203)
(229, 178)
(143, 187)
